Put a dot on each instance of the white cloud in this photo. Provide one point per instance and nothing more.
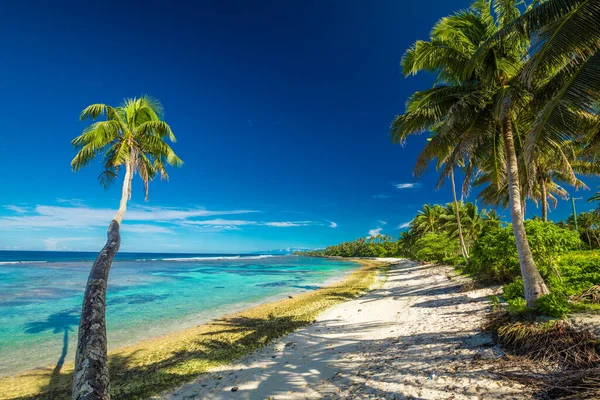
(145, 228)
(406, 185)
(381, 196)
(287, 224)
(73, 217)
(375, 232)
(332, 224)
(382, 222)
(403, 225)
(138, 219)
(17, 209)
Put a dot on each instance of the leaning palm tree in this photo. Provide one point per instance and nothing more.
(478, 100)
(132, 137)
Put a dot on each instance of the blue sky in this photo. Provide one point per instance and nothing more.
(281, 110)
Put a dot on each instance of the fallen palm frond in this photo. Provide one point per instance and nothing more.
(556, 342)
(574, 385)
(591, 295)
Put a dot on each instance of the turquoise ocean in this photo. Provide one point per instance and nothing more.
(149, 295)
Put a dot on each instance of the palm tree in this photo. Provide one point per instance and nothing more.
(427, 220)
(131, 136)
(541, 181)
(461, 239)
(478, 98)
(564, 68)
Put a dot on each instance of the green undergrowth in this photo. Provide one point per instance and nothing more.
(156, 365)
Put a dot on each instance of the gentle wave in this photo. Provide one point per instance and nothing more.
(184, 259)
(20, 262)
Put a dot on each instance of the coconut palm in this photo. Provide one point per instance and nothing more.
(478, 103)
(427, 220)
(131, 137)
(564, 68)
(541, 181)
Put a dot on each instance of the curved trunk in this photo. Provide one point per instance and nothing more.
(544, 201)
(463, 248)
(532, 280)
(90, 378)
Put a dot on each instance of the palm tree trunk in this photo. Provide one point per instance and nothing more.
(90, 379)
(463, 248)
(532, 280)
(544, 201)
(587, 233)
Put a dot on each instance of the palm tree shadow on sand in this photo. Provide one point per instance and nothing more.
(60, 322)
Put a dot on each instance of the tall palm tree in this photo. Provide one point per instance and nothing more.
(427, 220)
(132, 137)
(478, 99)
(564, 68)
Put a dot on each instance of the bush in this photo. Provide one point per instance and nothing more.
(494, 258)
(578, 270)
(514, 290)
(435, 247)
(455, 261)
(554, 304)
(517, 307)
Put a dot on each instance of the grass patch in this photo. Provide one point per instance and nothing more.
(156, 365)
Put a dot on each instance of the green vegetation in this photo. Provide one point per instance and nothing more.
(153, 366)
(572, 275)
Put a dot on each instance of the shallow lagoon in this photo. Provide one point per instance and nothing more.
(40, 301)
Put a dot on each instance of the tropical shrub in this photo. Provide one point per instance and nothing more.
(517, 307)
(514, 290)
(494, 257)
(435, 247)
(554, 304)
(577, 271)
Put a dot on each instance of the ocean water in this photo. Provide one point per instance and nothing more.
(148, 295)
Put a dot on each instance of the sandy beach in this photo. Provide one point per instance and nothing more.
(416, 337)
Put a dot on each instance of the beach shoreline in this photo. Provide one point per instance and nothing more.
(416, 336)
(129, 360)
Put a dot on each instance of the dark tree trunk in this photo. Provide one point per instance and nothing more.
(532, 280)
(91, 380)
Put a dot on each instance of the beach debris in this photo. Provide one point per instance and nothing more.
(291, 297)
(235, 389)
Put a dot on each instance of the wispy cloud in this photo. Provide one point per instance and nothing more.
(405, 185)
(145, 228)
(73, 217)
(71, 202)
(139, 219)
(403, 225)
(288, 224)
(381, 196)
(382, 222)
(17, 209)
(375, 232)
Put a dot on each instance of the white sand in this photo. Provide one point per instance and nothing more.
(417, 337)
